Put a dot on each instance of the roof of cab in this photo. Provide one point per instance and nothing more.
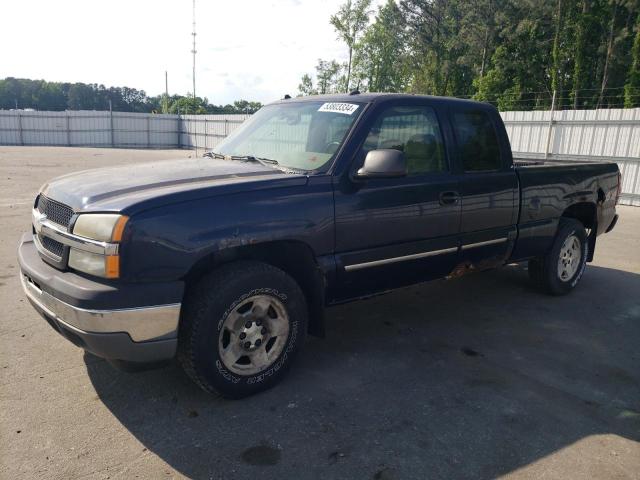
(378, 97)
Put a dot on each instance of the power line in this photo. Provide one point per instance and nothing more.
(547, 92)
(536, 100)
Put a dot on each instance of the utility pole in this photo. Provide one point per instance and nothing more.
(550, 128)
(193, 51)
(111, 122)
(165, 107)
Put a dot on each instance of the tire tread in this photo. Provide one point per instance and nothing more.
(542, 269)
(197, 301)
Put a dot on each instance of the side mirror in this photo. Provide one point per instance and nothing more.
(383, 163)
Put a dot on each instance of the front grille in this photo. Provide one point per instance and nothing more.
(52, 246)
(55, 211)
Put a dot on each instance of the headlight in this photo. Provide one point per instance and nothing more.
(103, 227)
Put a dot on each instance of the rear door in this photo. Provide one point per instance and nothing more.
(398, 231)
(488, 186)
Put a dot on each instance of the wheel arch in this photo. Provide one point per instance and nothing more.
(587, 214)
(295, 258)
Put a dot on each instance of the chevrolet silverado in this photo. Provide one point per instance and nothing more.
(227, 261)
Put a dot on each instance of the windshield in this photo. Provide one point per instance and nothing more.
(299, 135)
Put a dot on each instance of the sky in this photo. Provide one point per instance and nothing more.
(247, 49)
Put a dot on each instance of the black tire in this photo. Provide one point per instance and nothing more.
(543, 271)
(206, 307)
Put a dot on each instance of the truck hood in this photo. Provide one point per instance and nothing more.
(143, 185)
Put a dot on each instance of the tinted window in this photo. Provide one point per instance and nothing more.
(477, 141)
(414, 131)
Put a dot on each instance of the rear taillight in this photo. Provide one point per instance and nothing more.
(619, 189)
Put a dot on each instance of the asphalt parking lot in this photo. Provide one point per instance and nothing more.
(478, 377)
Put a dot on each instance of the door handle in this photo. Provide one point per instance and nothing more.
(449, 198)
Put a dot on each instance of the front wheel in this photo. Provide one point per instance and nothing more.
(560, 270)
(240, 328)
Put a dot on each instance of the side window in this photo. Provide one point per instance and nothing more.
(414, 131)
(477, 141)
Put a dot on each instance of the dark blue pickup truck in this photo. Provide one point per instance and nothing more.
(227, 261)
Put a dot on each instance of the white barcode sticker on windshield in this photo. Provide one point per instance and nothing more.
(346, 108)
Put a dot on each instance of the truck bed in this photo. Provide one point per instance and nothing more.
(548, 188)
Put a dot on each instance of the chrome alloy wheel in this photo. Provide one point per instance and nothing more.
(570, 258)
(253, 335)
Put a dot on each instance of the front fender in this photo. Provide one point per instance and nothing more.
(164, 243)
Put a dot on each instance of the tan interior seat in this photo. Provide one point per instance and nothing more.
(421, 153)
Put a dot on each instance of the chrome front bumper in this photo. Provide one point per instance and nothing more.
(134, 322)
(141, 324)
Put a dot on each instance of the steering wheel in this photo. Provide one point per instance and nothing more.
(331, 147)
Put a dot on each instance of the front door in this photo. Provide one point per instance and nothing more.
(394, 232)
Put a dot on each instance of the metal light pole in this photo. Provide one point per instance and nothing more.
(165, 107)
(550, 128)
(193, 51)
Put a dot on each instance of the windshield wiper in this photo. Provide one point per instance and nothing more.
(251, 158)
(242, 158)
(214, 155)
(267, 162)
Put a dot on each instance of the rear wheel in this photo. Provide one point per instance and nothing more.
(240, 328)
(560, 270)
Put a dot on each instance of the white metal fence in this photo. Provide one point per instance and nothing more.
(89, 128)
(581, 135)
(114, 129)
(206, 131)
(568, 135)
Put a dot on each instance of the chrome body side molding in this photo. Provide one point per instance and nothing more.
(416, 256)
(483, 244)
(386, 261)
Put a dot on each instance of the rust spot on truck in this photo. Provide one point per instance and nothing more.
(467, 267)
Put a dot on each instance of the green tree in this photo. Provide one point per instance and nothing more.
(433, 26)
(306, 86)
(557, 73)
(243, 106)
(520, 72)
(43, 95)
(328, 76)
(609, 50)
(632, 87)
(81, 97)
(350, 21)
(381, 52)
(188, 105)
(586, 42)
(478, 32)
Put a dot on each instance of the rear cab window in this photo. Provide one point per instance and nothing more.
(477, 141)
